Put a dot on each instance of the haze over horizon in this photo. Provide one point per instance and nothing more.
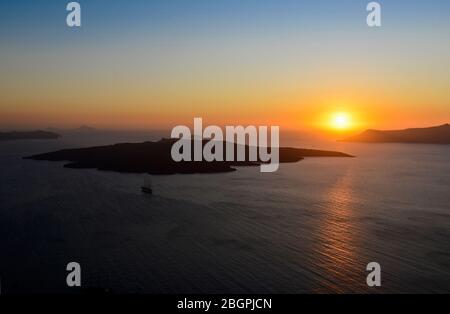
(157, 64)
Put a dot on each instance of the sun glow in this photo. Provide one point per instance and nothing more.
(340, 121)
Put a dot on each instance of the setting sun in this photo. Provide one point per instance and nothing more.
(341, 121)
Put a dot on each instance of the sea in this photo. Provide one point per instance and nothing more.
(310, 227)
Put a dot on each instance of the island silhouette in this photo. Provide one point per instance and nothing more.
(155, 158)
(28, 135)
(431, 135)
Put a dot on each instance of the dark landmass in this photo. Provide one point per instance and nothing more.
(30, 135)
(155, 158)
(85, 128)
(433, 135)
(81, 129)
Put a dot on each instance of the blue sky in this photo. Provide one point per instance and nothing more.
(43, 22)
(27, 17)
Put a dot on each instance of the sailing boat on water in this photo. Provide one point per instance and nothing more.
(147, 187)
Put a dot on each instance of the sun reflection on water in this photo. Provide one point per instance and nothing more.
(336, 251)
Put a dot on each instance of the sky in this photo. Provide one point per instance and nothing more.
(156, 64)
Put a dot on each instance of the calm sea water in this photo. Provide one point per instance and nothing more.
(313, 226)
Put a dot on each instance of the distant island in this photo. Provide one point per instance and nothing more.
(81, 129)
(155, 158)
(432, 135)
(28, 135)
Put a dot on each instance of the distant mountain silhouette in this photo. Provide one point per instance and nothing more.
(85, 128)
(27, 135)
(155, 158)
(432, 135)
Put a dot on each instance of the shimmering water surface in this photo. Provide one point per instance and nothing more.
(313, 226)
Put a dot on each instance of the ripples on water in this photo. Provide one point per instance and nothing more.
(310, 227)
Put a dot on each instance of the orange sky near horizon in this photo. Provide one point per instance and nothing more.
(115, 92)
(286, 108)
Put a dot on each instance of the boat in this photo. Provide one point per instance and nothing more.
(147, 190)
(147, 187)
